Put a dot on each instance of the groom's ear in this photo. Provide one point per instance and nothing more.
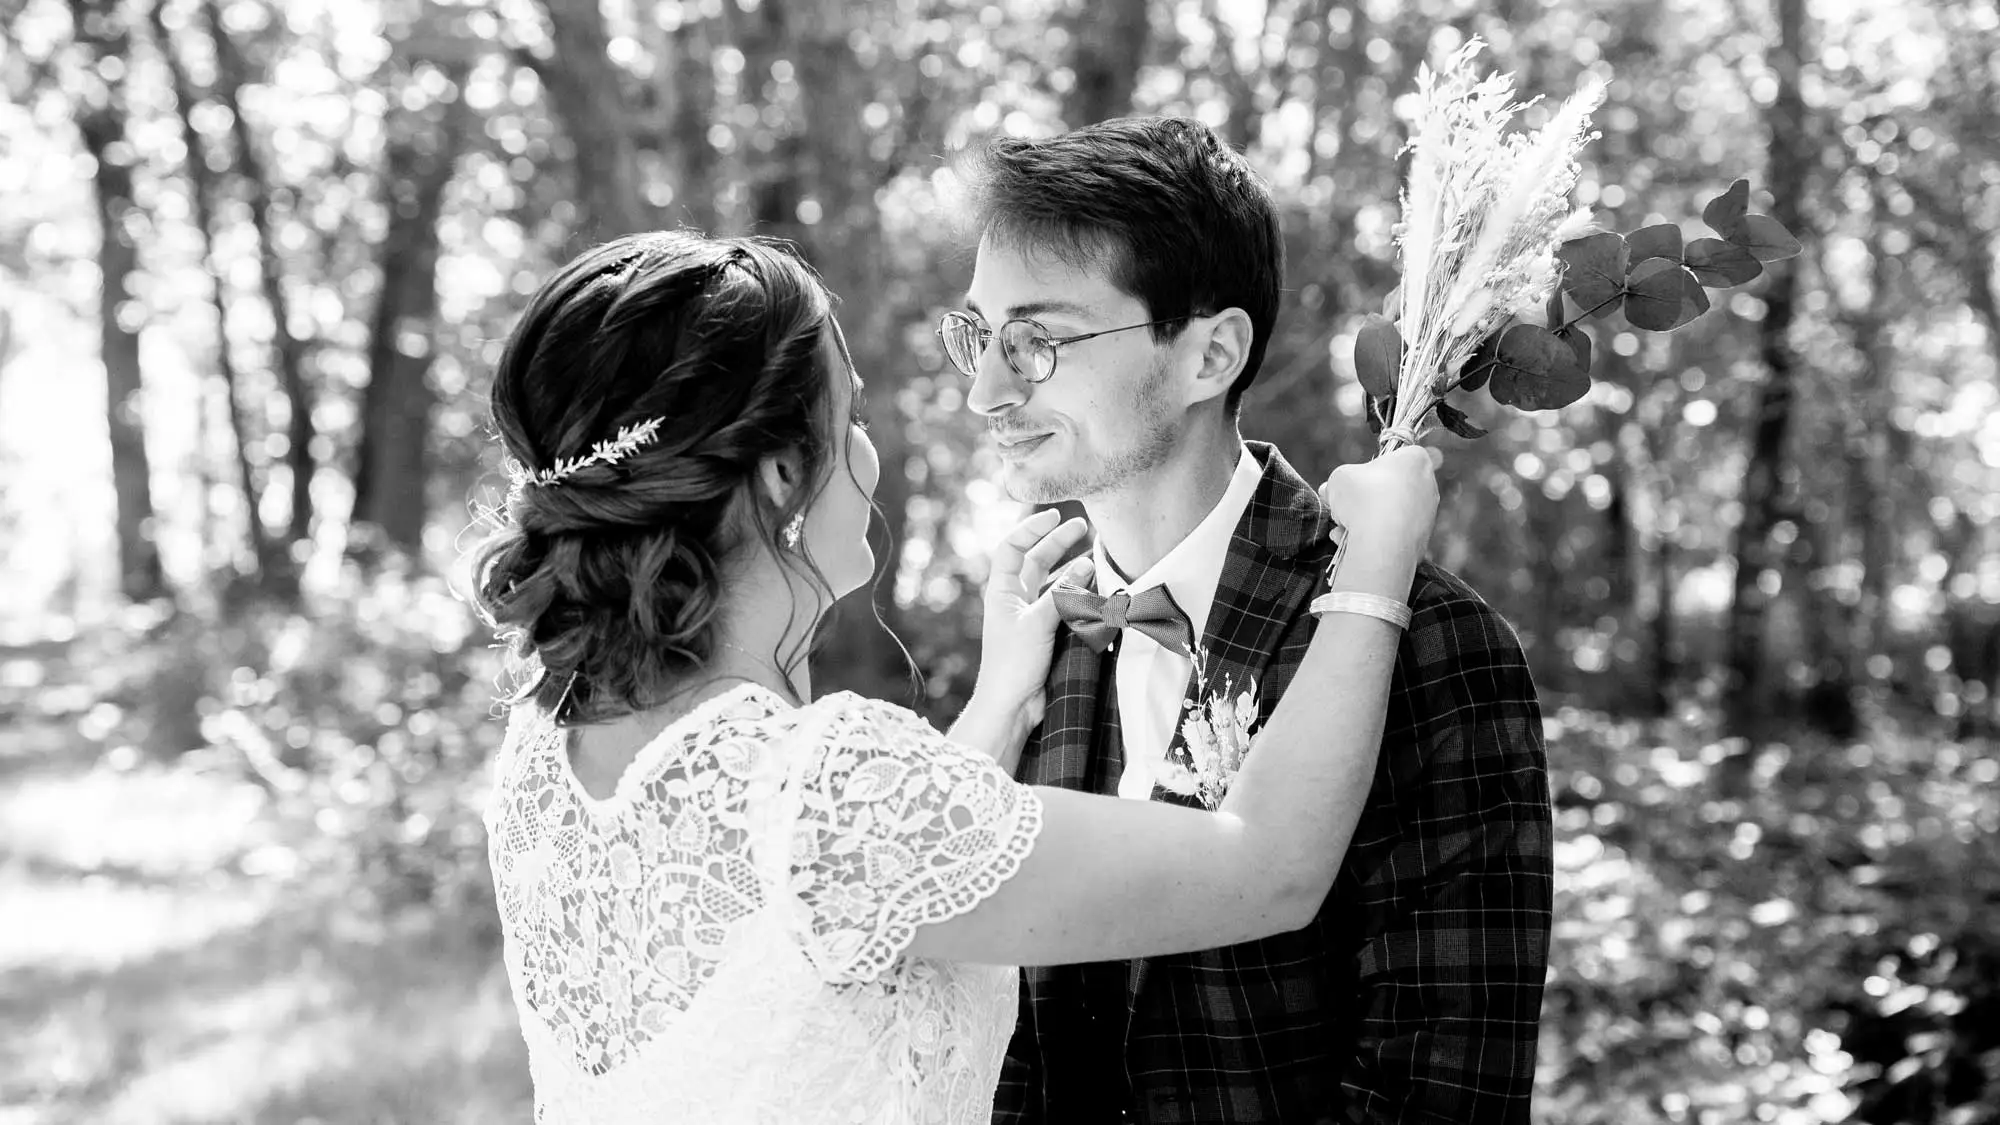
(1224, 340)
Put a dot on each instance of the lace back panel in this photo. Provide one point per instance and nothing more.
(623, 907)
(723, 939)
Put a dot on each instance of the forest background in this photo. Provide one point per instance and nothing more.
(257, 261)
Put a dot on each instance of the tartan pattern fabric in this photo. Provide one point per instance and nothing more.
(1415, 994)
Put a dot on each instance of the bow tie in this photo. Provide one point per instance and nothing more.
(1097, 619)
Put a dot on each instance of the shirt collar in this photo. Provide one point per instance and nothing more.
(1192, 568)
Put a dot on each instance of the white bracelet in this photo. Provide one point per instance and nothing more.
(1368, 605)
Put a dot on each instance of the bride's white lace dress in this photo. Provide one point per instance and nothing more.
(721, 940)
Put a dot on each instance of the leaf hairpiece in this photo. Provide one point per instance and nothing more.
(628, 441)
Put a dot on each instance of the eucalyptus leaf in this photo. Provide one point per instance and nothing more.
(1661, 240)
(1662, 296)
(1536, 370)
(1457, 421)
(1719, 265)
(1764, 237)
(1579, 342)
(1479, 366)
(1378, 356)
(1726, 210)
(1594, 270)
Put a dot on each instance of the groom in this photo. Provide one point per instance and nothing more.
(1125, 288)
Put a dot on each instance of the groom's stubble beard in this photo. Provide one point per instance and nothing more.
(1152, 445)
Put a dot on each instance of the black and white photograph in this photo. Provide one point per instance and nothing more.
(999, 562)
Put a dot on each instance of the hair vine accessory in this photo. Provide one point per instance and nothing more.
(628, 441)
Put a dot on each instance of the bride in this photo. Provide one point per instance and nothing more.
(727, 902)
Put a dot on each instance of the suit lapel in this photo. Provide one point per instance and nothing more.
(1274, 565)
(1060, 754)
(1272, 569)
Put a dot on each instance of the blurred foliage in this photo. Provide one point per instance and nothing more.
(1827, 944)
(366, 715)
(337, 208)
(1825, 949)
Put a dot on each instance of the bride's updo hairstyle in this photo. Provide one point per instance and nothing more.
(604, 574)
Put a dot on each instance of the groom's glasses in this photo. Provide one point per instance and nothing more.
(1026, 345)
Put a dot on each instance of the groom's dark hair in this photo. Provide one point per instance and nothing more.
(1163, 205)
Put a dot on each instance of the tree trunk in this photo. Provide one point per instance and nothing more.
(1964, 244)
(1240, 88)
(1621, 560)
(1828, 620)
(393, 466)
(1541, 614)
(1977, 265)
(202, 189)
(231, 74)
(846, 245)
(1302, 24)
(781, 177)
(1647, 582)
(584, 93)
(1111, 39)
(1867, 450)
(1748, 695)
(101, 121)
(687, 94)
(1666, 638)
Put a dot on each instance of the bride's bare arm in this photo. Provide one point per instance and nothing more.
(998, 729)
(1112, 878)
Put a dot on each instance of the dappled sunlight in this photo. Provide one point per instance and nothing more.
(175, 989)
(410, 1033)
(1703, 939)
(87, 922)
(242, 864)
(110, 817)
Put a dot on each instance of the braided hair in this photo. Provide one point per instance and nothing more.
(606, 584)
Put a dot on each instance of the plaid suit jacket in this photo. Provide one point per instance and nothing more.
(1416, 993)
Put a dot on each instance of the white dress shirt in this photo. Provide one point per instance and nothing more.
(1152, 681)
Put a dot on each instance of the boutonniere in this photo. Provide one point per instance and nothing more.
(1215, 736)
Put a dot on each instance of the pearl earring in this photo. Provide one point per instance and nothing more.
(793, 530)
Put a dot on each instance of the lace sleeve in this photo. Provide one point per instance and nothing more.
(900, 827)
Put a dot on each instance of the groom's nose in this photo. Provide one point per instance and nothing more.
(997, 388)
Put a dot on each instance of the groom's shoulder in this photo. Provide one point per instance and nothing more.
(1436, 586)
(1450, 620)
